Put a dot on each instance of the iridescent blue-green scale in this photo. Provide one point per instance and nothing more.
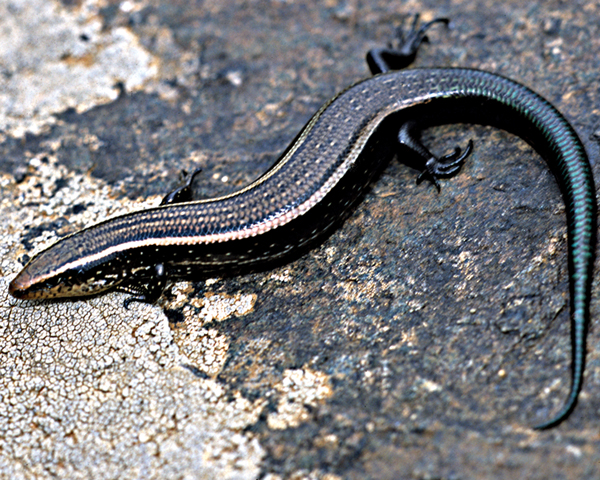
(574, 174)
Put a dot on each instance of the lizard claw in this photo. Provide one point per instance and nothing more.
(445, 166)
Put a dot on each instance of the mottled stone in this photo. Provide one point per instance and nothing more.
(420, 341)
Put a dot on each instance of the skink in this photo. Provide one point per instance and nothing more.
(317, 181)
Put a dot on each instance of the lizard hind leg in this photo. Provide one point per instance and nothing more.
(432, 167)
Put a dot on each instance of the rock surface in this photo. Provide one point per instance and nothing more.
(420, 341)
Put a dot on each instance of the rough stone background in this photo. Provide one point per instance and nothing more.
(419, 342)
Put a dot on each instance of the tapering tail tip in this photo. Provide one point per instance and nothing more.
(564, 412)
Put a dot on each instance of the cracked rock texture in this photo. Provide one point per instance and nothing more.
(420, 341)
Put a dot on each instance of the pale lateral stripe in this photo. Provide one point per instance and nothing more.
(257, 229)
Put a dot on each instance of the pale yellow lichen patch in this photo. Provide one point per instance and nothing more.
(212, 307)
(90, 389)
(205, 348)
(299, 389)
(220, 307)
(57, 57)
